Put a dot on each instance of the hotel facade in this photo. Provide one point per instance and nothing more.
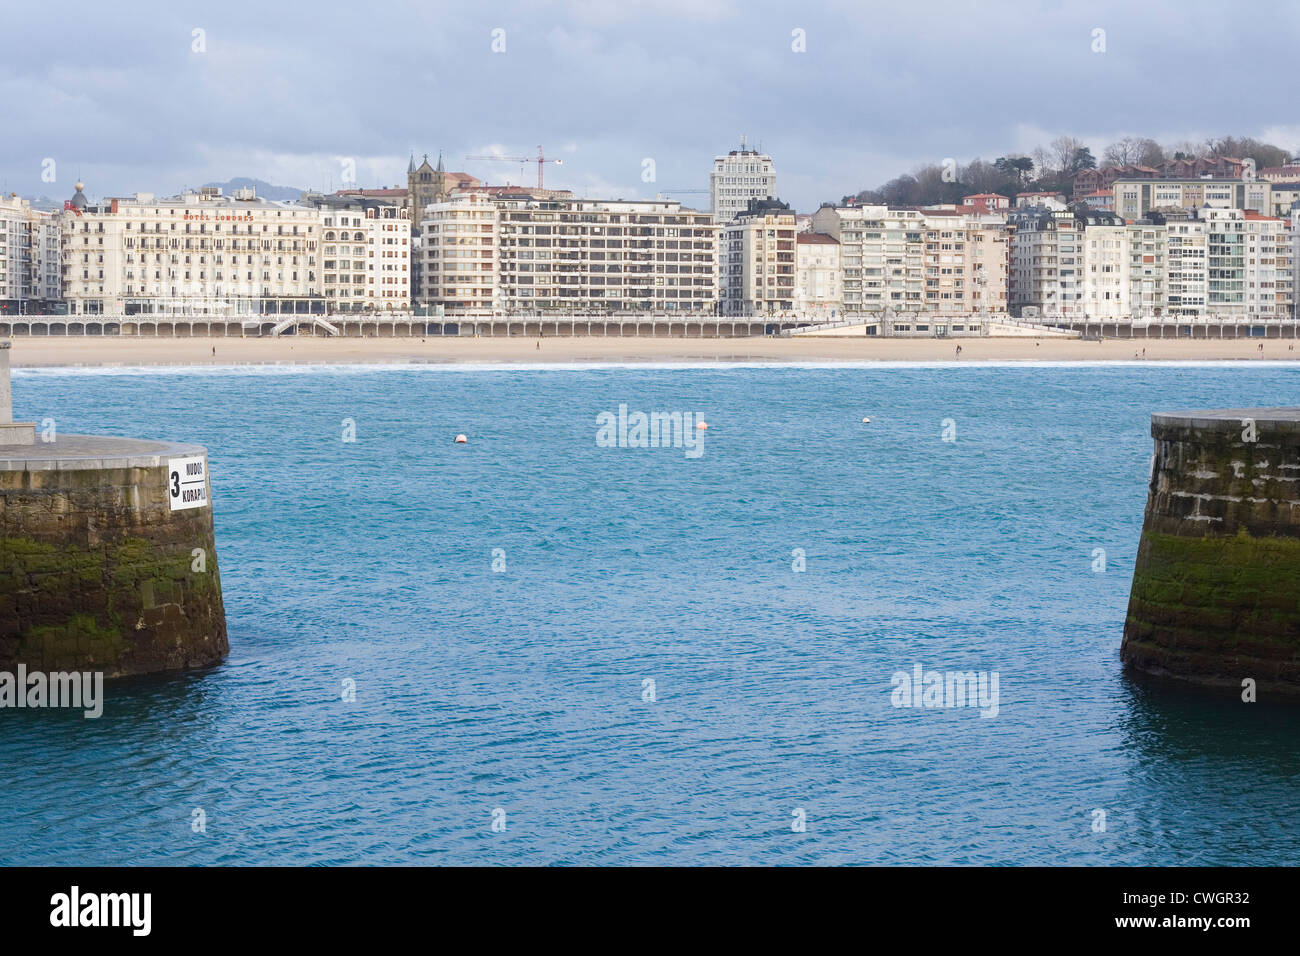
(198, 253)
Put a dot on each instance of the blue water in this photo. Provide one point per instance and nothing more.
(523, 689)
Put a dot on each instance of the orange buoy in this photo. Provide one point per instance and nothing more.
(461, 439)
(701, 425)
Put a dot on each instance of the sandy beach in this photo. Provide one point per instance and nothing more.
(42, 351)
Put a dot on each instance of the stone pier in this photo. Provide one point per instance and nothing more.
(108, 560)
(1216, 585)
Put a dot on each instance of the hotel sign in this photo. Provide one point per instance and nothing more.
(187, 482)
(246, 217)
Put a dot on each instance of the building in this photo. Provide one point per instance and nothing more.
(1207, 167)
(1187, 276)
(1044, 277)
(1283, 195)
(920, 260)
(738, 177)
(426, 185)
(1231, 263)
(365, 253)
(756, 260)
(1281, 174)
(1102, 200)
(30, 262)
(1051, 200)
(1134, 199)
(1122, 268)
(461, 255)
(817, 275)
(988, 202)
(1295, 264)
(194, 253)
(512, 251)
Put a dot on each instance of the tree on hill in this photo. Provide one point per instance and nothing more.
(1133, 150)
(1052, 168)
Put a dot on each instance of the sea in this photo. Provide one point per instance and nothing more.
(541, 647)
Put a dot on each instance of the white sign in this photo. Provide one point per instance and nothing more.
(187, 482)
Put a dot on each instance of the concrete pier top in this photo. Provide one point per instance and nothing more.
(1229, 419)
(77, 452)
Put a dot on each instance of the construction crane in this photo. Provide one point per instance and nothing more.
(541, 160)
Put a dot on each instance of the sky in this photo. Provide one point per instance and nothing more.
(154, 96)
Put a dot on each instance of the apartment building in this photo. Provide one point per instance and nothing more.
(1268, 266)
(1281, 174)
(1134, 198)
(1207, 167)
(817, 275)
(1232, 263)
(1123, 268)
(738, 177)
(756, 260)
(460, 255)
(1046, 252)
(29, 258)
(933, 260)
(365, 253)
(518, 252)
(1187, 251)
(197, 252)
(1294, 222)
(1283, 196)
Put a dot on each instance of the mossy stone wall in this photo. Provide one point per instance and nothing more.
(1216, 585)
(98, 573)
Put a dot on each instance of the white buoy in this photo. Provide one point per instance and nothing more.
(461, 439)
(866, 421)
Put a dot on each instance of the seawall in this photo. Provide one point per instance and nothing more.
(1216, 584)
(108, 559)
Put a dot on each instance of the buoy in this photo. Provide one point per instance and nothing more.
(461, 439)
(701, 425)
(866, 421)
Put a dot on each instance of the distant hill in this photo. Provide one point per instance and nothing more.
(45, 203)
(264, 189)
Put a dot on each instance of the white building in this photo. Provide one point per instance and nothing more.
(29, 258)
(756, 261)
(817, 275)
(1187, 278)
(741, 175)
(511, 251)
(1123, 274)
(191, 254)
(459, 254)
(919, 260)
(1136, 198)
(365, 254)
(1233, 263)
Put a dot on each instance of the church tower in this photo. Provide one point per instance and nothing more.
(424, 184)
